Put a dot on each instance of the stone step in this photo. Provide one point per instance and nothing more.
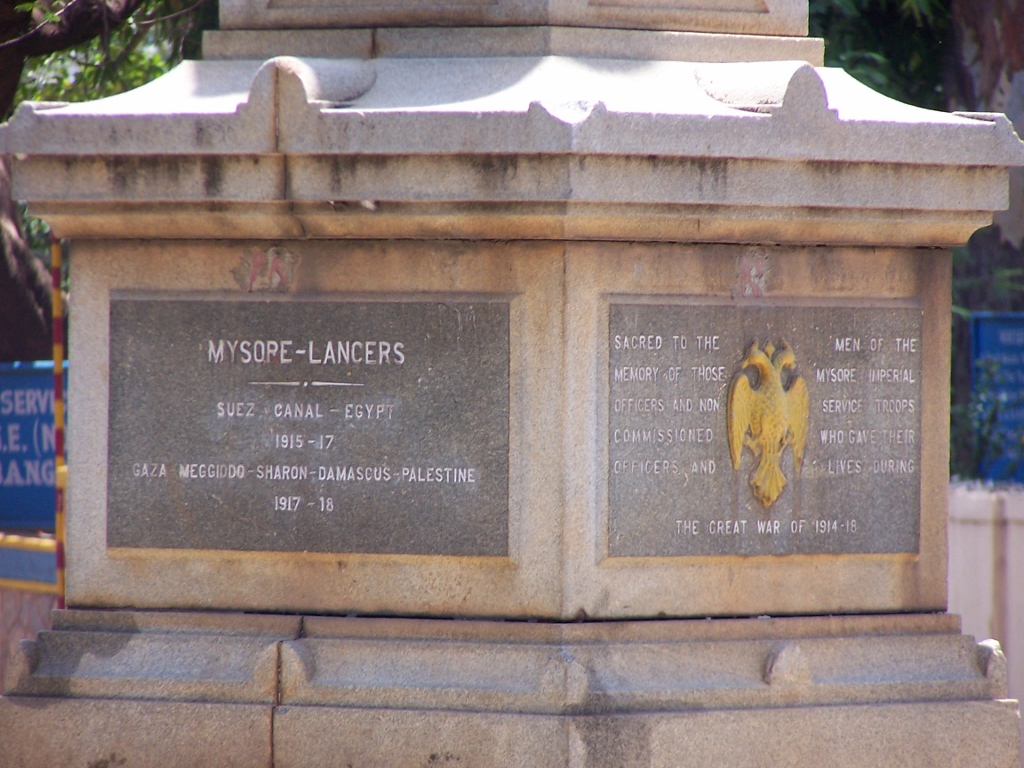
(54, 733)
(503, 666)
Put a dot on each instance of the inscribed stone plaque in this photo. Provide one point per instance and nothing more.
(824, 455)
(324, 426)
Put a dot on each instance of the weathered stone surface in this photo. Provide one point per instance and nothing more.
(413, 674)
(314, 736)
(263, 44)
(520, 573)
(785, 110)
(918, 735)
(403, 691)
(347, 220)
(70, 733)
(196, 622)
(146, 655)
(542, 517)
(752, 17)
(422, 42)
(614, 582)
(527, 146)
(592, 674)
(175, 666)
(58, 733)
(403, 664)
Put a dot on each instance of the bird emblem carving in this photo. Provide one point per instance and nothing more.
(768, 416)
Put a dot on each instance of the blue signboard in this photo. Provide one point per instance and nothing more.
(27, 442)
(28, 563)
(997, 376)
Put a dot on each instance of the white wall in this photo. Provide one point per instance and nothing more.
(986, 570)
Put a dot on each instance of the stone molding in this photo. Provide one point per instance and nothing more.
(752, 146)
(751, 17)
(480, 666)
(470, 42)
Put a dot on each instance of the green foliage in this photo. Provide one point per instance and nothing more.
(43, 13)
(978, 439)
(37, 234)
(897, 47)
(1004, 285)
(158, 36)
(85, 73)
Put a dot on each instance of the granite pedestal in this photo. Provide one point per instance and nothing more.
(509, 384)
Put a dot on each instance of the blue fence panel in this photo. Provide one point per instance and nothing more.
(18, 564)
(997, 366)
(27, 442)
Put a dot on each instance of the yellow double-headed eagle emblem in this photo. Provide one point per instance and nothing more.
(768, 416)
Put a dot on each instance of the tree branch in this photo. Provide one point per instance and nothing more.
(168, 17)
(77, 22)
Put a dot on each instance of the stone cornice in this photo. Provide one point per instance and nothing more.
(741, 144)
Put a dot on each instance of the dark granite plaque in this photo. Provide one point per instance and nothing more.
(673, 488)
(346, 425)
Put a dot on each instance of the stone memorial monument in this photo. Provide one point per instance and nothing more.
(508, 383)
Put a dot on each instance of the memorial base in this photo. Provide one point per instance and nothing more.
(161, 689)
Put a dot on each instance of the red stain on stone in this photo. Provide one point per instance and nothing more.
(752, 270)
(258, 261)
(277, 268)
(265, 270)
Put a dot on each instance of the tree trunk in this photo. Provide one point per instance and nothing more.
(25, 293)
(988, 40)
